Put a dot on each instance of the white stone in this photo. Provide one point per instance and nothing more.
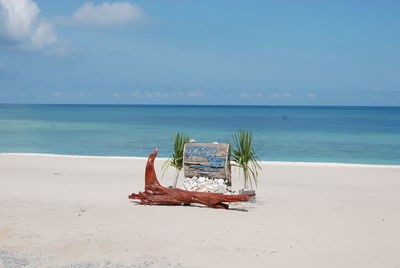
(204, 184)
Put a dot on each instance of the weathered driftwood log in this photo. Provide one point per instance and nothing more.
(155, 194)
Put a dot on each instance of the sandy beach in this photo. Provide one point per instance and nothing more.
(69, 211)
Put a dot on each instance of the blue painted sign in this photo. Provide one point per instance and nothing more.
(209, 160)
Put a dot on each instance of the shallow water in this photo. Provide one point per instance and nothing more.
(282, 133)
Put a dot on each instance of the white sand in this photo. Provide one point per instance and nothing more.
(57, 210)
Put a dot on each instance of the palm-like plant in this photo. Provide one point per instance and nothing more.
(176, 159)
(245, 157)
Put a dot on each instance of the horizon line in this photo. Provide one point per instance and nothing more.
(202, 105)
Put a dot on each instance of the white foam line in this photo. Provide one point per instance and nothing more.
(326, 164)
(76, 156)
(268, 163)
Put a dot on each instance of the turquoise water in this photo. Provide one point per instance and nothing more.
(283, 133)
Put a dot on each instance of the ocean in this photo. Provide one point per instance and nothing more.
(365, 135)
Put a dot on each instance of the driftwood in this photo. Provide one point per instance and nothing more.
(155, 194)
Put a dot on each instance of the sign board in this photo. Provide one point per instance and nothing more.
(207, 160)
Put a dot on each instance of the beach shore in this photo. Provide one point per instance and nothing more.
(75, 211)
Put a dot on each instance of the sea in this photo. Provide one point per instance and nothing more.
(364, 135)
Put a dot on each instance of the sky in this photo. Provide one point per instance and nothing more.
(200, 52)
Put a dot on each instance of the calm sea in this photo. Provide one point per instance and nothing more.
(283, 133)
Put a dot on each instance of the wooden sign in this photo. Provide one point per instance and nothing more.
(207, 160)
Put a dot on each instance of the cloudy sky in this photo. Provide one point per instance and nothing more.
(200, 52)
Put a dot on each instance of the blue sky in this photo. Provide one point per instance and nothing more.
(200, 52)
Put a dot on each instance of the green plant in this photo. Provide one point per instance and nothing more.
(245, 157)
(176, 159)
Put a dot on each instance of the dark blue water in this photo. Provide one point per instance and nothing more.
(283, 133)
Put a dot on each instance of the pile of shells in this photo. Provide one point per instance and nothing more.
(204, 184)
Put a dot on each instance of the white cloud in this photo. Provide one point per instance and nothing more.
(136, 93)
(58, 94)
(22, 26)
(246, 95)
(80, 94)
(282, 95)
(63, 48)
(105, 14)
(311, 95)
(196, 94)
(179, 94)
(158, 94)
